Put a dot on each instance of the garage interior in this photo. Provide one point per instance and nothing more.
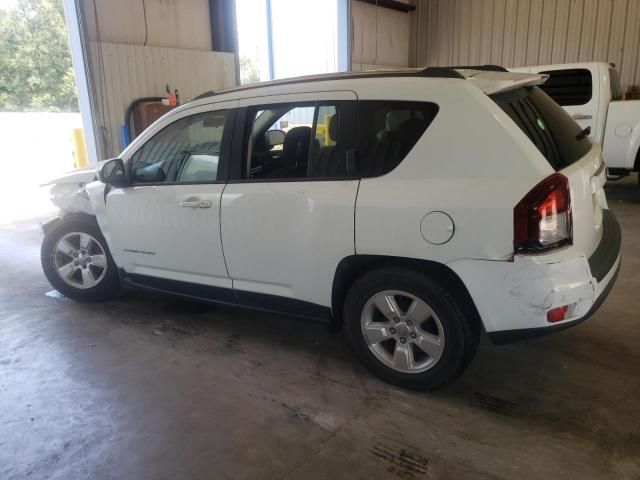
(146, 386)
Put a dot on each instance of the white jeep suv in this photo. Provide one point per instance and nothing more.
(415, 208)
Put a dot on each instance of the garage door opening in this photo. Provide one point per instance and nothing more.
(273, 42)
(39, 116)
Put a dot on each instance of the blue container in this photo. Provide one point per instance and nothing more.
(125, 137)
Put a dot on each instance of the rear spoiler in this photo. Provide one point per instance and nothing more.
(493, 81)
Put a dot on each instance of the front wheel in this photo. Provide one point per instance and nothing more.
(76, 260)
(407, 329)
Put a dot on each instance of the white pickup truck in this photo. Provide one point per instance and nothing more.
(591, 94)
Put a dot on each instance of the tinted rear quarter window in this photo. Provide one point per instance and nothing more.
(558, 137)
(569, 87)
(387, 131)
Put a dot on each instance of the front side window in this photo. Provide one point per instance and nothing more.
(187, 151)
(569, 87)
(388, 131)
(295, 141)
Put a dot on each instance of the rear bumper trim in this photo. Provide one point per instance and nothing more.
(608, 250)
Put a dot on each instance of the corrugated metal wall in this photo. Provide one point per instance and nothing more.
(155, 23)
(123, 73)
(528, 32)
(366, 67)
(379, 37)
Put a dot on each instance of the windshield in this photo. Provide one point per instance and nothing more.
(558, 137)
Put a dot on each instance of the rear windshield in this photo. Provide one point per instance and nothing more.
(558, 137)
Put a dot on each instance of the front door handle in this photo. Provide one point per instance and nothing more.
(196, 204)
(581, 116)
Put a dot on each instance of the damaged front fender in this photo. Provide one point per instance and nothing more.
(68, 191)
(74, 177)
(71, 198)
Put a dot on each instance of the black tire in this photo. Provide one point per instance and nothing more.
(109, 283)
(461, 339)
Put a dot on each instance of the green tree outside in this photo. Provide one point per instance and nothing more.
(248, 70)
(36, 73)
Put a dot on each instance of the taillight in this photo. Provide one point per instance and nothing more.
(557, 314)
(542, 219)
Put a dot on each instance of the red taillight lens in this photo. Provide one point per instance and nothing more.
(557, 314)
(542, 219)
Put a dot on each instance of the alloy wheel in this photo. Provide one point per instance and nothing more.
(80, 260)
(402, 331)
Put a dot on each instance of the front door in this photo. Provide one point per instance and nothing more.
(166, 224)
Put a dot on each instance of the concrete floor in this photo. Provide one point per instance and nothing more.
(148, 388)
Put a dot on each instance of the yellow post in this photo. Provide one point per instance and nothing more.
(327, 137)
(81, 158)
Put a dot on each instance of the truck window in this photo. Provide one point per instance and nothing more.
(551, 129)
(572, 86)
(616, 89)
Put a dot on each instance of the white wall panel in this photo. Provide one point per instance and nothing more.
(528, 32)
(123, 73)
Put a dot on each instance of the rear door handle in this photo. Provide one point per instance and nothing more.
(196, 204)
(581, 116)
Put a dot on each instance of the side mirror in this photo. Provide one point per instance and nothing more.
(274, 137)
(112, 173)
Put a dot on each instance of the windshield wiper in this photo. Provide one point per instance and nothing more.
(583, 133)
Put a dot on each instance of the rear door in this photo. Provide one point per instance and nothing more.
(288, 210)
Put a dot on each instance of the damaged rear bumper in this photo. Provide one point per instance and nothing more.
(510, 336)
(513, 298)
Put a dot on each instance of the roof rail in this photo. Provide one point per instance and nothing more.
(210, 93)
(433, 72)
(442, 72)
(488, 68)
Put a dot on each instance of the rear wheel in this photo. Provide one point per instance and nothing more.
(76, 260)
(407, 330)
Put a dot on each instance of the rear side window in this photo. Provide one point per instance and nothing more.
(387, 131)
(299, 141)
(558, 137)
(569, 87)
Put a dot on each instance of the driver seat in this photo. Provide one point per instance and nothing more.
(295, 154)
